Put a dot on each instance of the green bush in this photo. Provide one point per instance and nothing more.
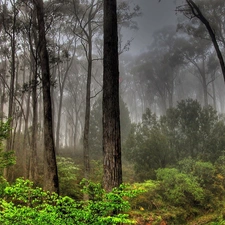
(69, 177)
(6, 158)
(179, 188)
(23, 204)
(186, 131)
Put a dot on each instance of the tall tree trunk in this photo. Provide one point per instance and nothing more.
(213, 90)
(50, 167)
(12, 84)
(61, 92)
(88, 110)
(111, 114)
(12, 81)
(3, 92)
(33, 163)
(204, 83)
(33, 158)
(26, 138)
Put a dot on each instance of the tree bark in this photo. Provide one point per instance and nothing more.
(213, 90)
(33, 42)
(204, 83)
(88, 106)
(50, 168)
(111, 115)
(12, 37)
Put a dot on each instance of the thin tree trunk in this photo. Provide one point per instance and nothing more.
(61, 91)
(87, 111)
(12, 84)
(33, 163)
(204, 83)
(213, 90)
(26, 138)
(3, 91)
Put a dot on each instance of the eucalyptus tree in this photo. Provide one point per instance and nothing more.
(29, 18)
(158, 70)
(207, 21)
(96, 126)
(63, 72)
(50, 167)
(89, 17)
(185, 131)
(198, 57)
(9, 16)
(64, 47)
(111, 114)
(74, 106)
(11, 40)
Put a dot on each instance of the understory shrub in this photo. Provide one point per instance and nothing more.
(25, 204)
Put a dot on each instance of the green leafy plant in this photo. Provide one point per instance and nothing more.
(6, 158)
(179, 188)
(185, 131)
(24, 204)
(68, 177)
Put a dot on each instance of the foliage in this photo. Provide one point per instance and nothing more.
(24, 204)
(179, 188)
(68, 174)
(214, 13)
(149, 199)
(6, 158)
(190, 193)
(185, 131)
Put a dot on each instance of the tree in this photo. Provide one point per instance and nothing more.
(6, 158)
(198, 57)
(192, 10)
(89, 23)
(158, 70)
(9, 21)
(187, 131)
(50, 167)
(194, 131)
(111, 114)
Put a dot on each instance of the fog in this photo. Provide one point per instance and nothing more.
(171, 91)
(166, 57)
(155, 15)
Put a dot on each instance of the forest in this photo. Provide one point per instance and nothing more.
(91, 133)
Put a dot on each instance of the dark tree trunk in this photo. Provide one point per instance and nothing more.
(197, 13)
(33, 164)
(213, 90)
(50, 167)
(33, 158)
(26, 138)
(111, 115)
(3, 90)
(12, 37)
(204, 83)
(88, 106)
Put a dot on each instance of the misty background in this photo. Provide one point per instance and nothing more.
(155, 15)
(172, 104)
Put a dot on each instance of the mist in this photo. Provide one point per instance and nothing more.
(168, 109)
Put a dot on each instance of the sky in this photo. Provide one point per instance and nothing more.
(155, 15)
